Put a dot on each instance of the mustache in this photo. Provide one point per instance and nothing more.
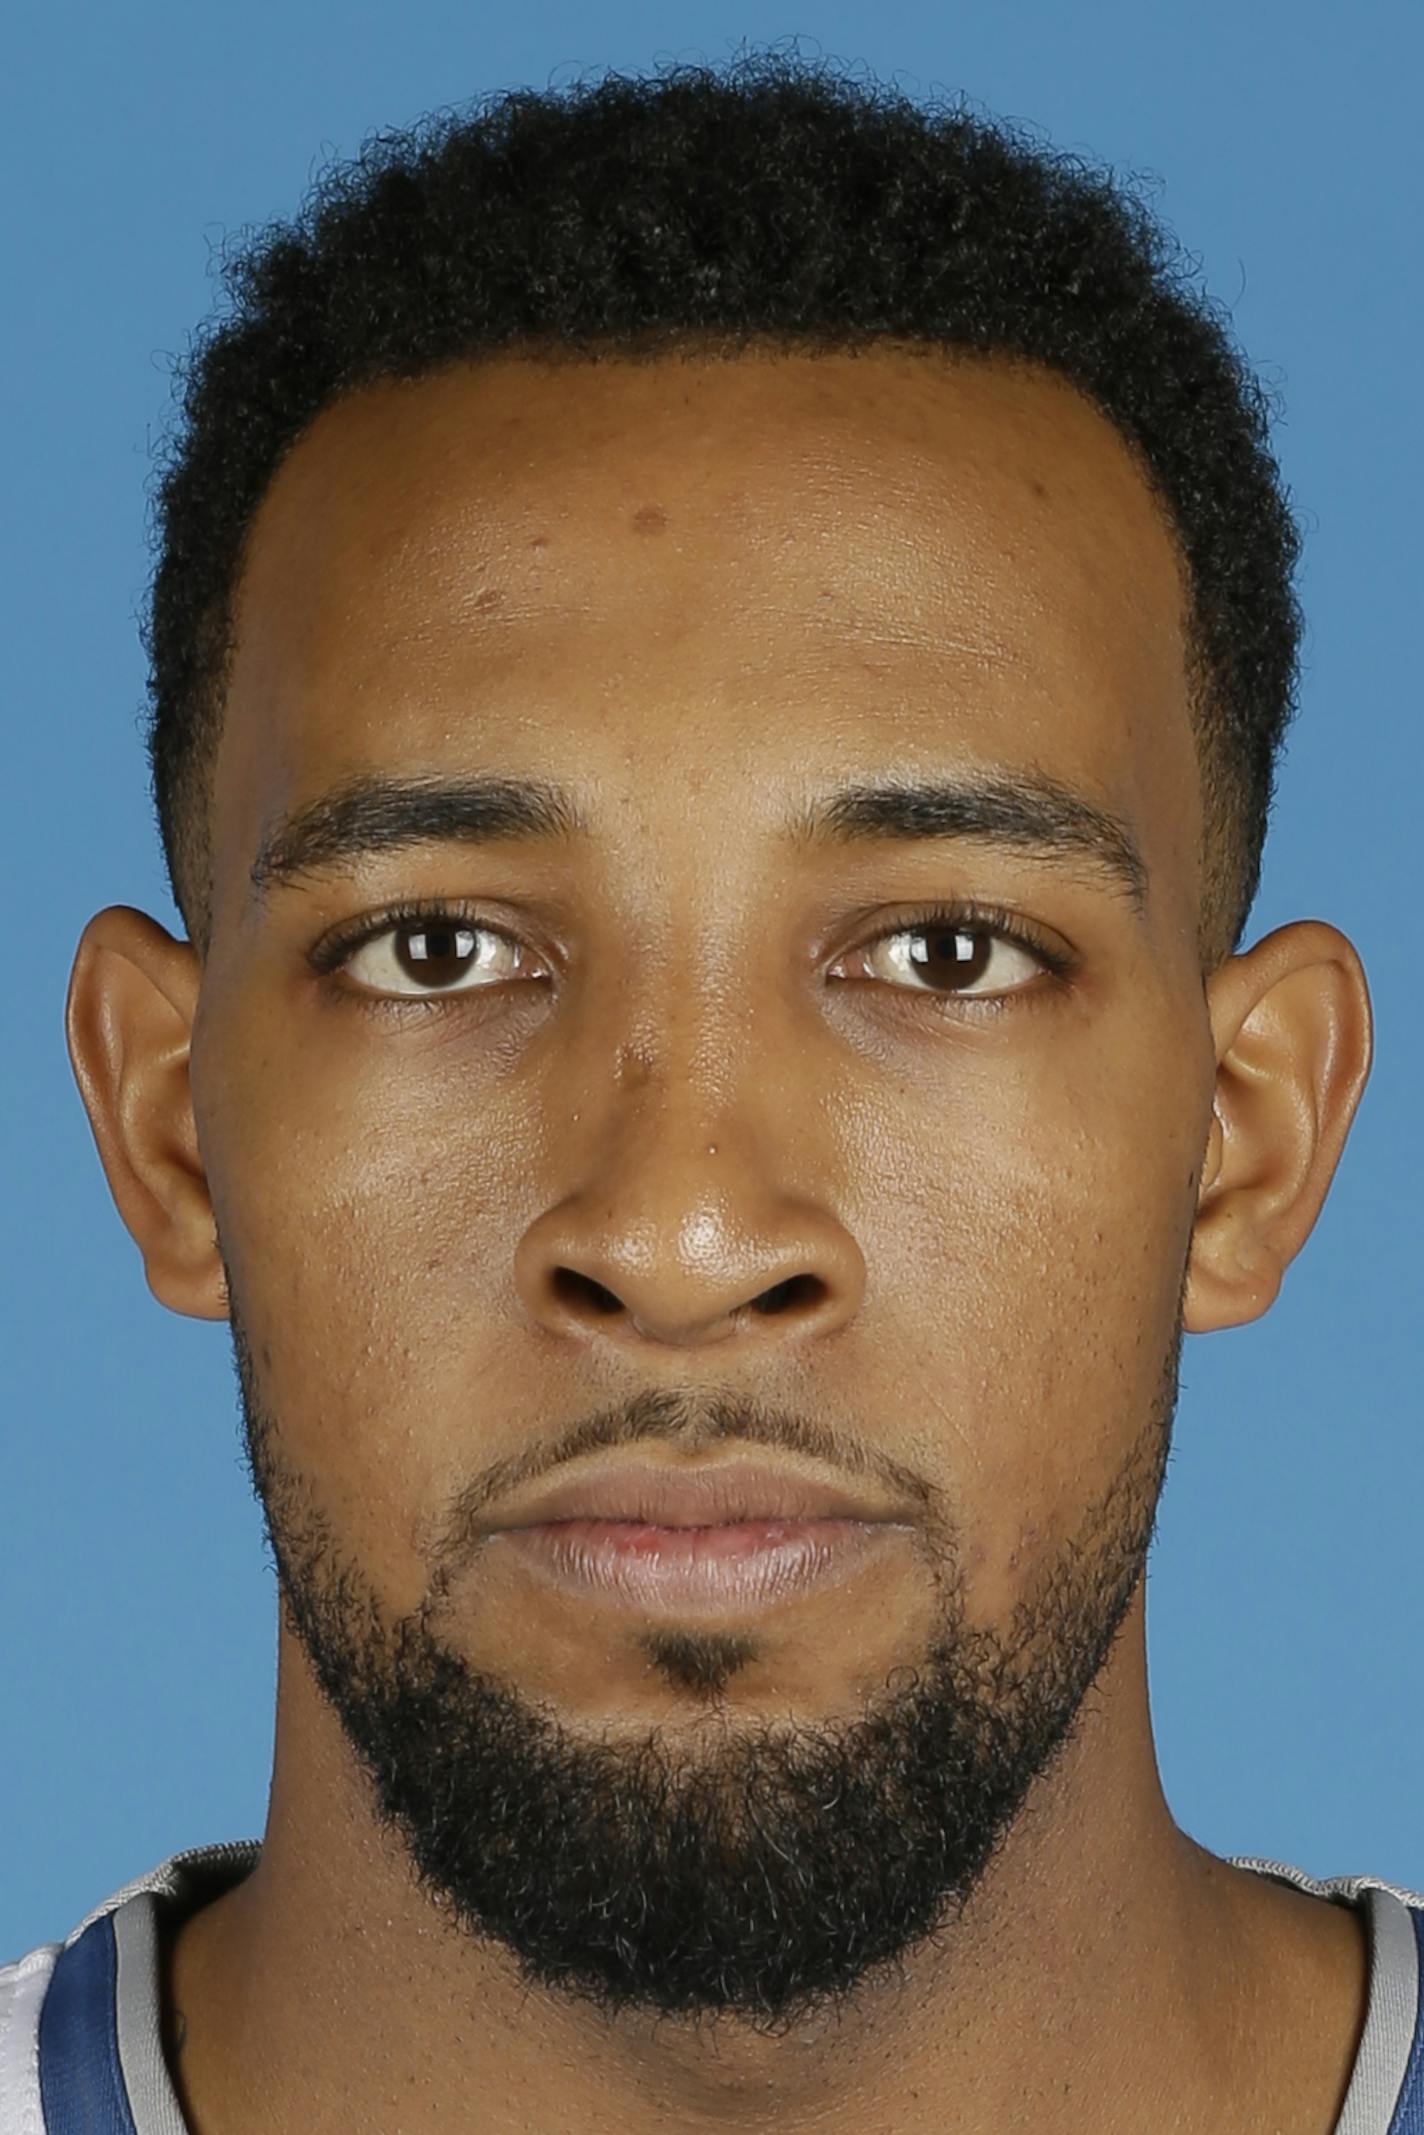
(694, 1423)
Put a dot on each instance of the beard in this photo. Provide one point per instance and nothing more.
(767, 1872)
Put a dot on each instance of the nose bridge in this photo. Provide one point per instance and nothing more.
(681, 1077)
(684, 1131)
(699, 1198)
(678, 1052)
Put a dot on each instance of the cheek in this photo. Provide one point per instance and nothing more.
(365, 1221)
(1025, 1307)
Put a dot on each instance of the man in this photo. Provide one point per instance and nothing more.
(719, 649)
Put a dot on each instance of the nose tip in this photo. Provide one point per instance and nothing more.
(639, 1288)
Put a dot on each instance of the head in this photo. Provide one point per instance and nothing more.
(719, 648)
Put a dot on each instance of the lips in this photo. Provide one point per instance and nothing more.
(715, 1539)
(642, 1492)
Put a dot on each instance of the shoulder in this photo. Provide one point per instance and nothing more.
(184, 1879)
(1386, 2091)
(22, 1991)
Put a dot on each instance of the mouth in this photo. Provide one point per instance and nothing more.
(718, 1539)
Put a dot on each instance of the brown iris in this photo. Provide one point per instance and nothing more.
(436, 952)
(950, 957)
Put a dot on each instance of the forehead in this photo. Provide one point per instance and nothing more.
(765, 571)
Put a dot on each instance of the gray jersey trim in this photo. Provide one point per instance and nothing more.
(1392, 2013)
(221, 1864)
(138, 2020)
(1383, 2059)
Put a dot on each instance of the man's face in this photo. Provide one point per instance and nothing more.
(691, 1145)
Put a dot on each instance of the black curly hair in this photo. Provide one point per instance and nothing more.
(767, 202)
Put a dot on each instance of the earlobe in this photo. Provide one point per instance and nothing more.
(133, 994)
(1292, 1028)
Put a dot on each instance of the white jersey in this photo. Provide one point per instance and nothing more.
(81, 2049)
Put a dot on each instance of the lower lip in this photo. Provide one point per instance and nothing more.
(745, 1565)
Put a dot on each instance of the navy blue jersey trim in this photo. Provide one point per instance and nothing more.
(81, 2083)
(1409, 2112)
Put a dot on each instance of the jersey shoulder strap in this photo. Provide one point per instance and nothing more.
(59, 2068)
(22, 1993)
(1386, 2091)
(1409, 2112)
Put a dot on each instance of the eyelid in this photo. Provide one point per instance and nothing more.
(967, 916)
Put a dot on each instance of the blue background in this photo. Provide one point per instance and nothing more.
(136, 1607)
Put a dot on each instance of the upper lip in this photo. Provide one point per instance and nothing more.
(657, 1494)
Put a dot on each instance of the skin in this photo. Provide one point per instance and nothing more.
(697, 594)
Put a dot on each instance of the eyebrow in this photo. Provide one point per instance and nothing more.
(374, 813)
(1026, 810)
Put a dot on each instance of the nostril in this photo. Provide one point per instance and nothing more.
(796, 1290)
(577, 1290)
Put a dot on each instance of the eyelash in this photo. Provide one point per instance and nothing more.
(983, 919)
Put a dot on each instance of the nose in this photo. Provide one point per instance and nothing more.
(688, 1240)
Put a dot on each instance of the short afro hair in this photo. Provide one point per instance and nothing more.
(768, 202)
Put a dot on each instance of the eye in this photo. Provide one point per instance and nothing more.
(419, 955)
(957, 955)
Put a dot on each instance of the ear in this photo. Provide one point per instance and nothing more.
(1292, 1030)
(133, 994)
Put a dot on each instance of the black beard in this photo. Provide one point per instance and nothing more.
(765, 1877)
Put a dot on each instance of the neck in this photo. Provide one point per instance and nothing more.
(1107, 1973)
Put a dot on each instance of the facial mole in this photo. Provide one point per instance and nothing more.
(649, 519)
(633, 1067)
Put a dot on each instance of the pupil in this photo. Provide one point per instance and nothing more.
(437, 953)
